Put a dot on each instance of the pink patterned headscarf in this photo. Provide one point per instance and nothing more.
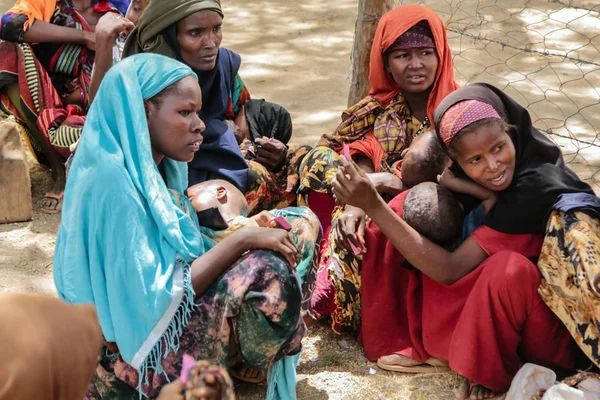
(463, 114)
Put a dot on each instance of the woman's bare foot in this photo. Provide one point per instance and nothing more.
(474, 391)
(52, 202)
(400, 363)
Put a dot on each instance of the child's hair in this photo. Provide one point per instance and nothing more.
(434, 212)
(424, 166)
(499, 122)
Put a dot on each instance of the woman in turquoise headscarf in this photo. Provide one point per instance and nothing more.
(129, 244)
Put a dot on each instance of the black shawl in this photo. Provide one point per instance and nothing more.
(540, 172)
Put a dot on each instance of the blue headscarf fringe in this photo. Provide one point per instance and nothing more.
(169, 340)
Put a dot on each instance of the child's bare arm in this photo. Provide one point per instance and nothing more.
(448, 180)
(489, 203)
(488, 197)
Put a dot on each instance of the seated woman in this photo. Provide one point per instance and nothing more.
(492, 318)
(410, 73)
(160, 287)
(46, 59)
(190, 31)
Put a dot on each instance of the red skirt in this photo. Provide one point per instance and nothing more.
(485, 325)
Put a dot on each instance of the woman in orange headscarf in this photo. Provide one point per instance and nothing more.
(410, 73)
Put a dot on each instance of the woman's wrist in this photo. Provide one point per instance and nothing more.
(372, 205)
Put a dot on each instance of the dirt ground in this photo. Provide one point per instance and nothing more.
(297, 53)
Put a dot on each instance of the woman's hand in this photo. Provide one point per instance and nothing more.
(352, 186)
(172, 391)
(264, 219)
(348, 228)
(271, 153)
(273, 239)
(110, 25)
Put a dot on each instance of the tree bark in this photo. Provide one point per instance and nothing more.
(15, 196)
(369, 14)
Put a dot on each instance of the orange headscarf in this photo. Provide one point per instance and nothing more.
(376, 126)
(49, 348)
(393, 25)
(34, 9)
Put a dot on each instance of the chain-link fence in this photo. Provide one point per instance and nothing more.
(543, 53)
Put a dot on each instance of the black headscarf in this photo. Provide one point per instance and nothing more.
(219, 156)
(540, 172)
(269, 120)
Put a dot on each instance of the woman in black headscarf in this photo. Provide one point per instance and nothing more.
(263, 168)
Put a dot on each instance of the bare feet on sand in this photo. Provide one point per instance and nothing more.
(474, 391)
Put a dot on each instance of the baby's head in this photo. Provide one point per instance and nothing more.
(219, 194)
(434, 212)
(424, 160)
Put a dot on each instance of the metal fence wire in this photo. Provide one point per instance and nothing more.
(543, 53)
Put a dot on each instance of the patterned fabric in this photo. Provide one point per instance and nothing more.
(464, 114)
(29, 95)
(344, 269)
(393, 126)
(320, 165)
(417, 37)
(258, 294)
(570, 266)
(270, 190)
(306, 233)
(45, 74)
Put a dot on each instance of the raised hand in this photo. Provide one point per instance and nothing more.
(352, 186)
(271, 153)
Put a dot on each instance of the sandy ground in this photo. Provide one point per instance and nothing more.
(297, 53)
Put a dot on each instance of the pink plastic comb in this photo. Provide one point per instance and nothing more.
(282, 223)
(187, 364)
(355, 250)
(347, 152)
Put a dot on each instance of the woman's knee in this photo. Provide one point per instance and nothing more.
(508, 272)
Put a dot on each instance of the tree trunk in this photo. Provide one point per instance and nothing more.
(369, 13)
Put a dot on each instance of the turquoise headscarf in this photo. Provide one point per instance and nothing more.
(123, 244)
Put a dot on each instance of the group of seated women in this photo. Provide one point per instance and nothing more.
(193, 229)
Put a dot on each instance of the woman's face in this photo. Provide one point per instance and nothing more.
(173, 122)
(414, 70)
(199, 36)
(487, 155)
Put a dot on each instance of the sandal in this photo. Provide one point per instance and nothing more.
(239, 370)
(57, 207)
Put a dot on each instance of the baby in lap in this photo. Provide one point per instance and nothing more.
(222, 207)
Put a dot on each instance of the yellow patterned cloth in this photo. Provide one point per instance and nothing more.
(570, 266)
(393, 126)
